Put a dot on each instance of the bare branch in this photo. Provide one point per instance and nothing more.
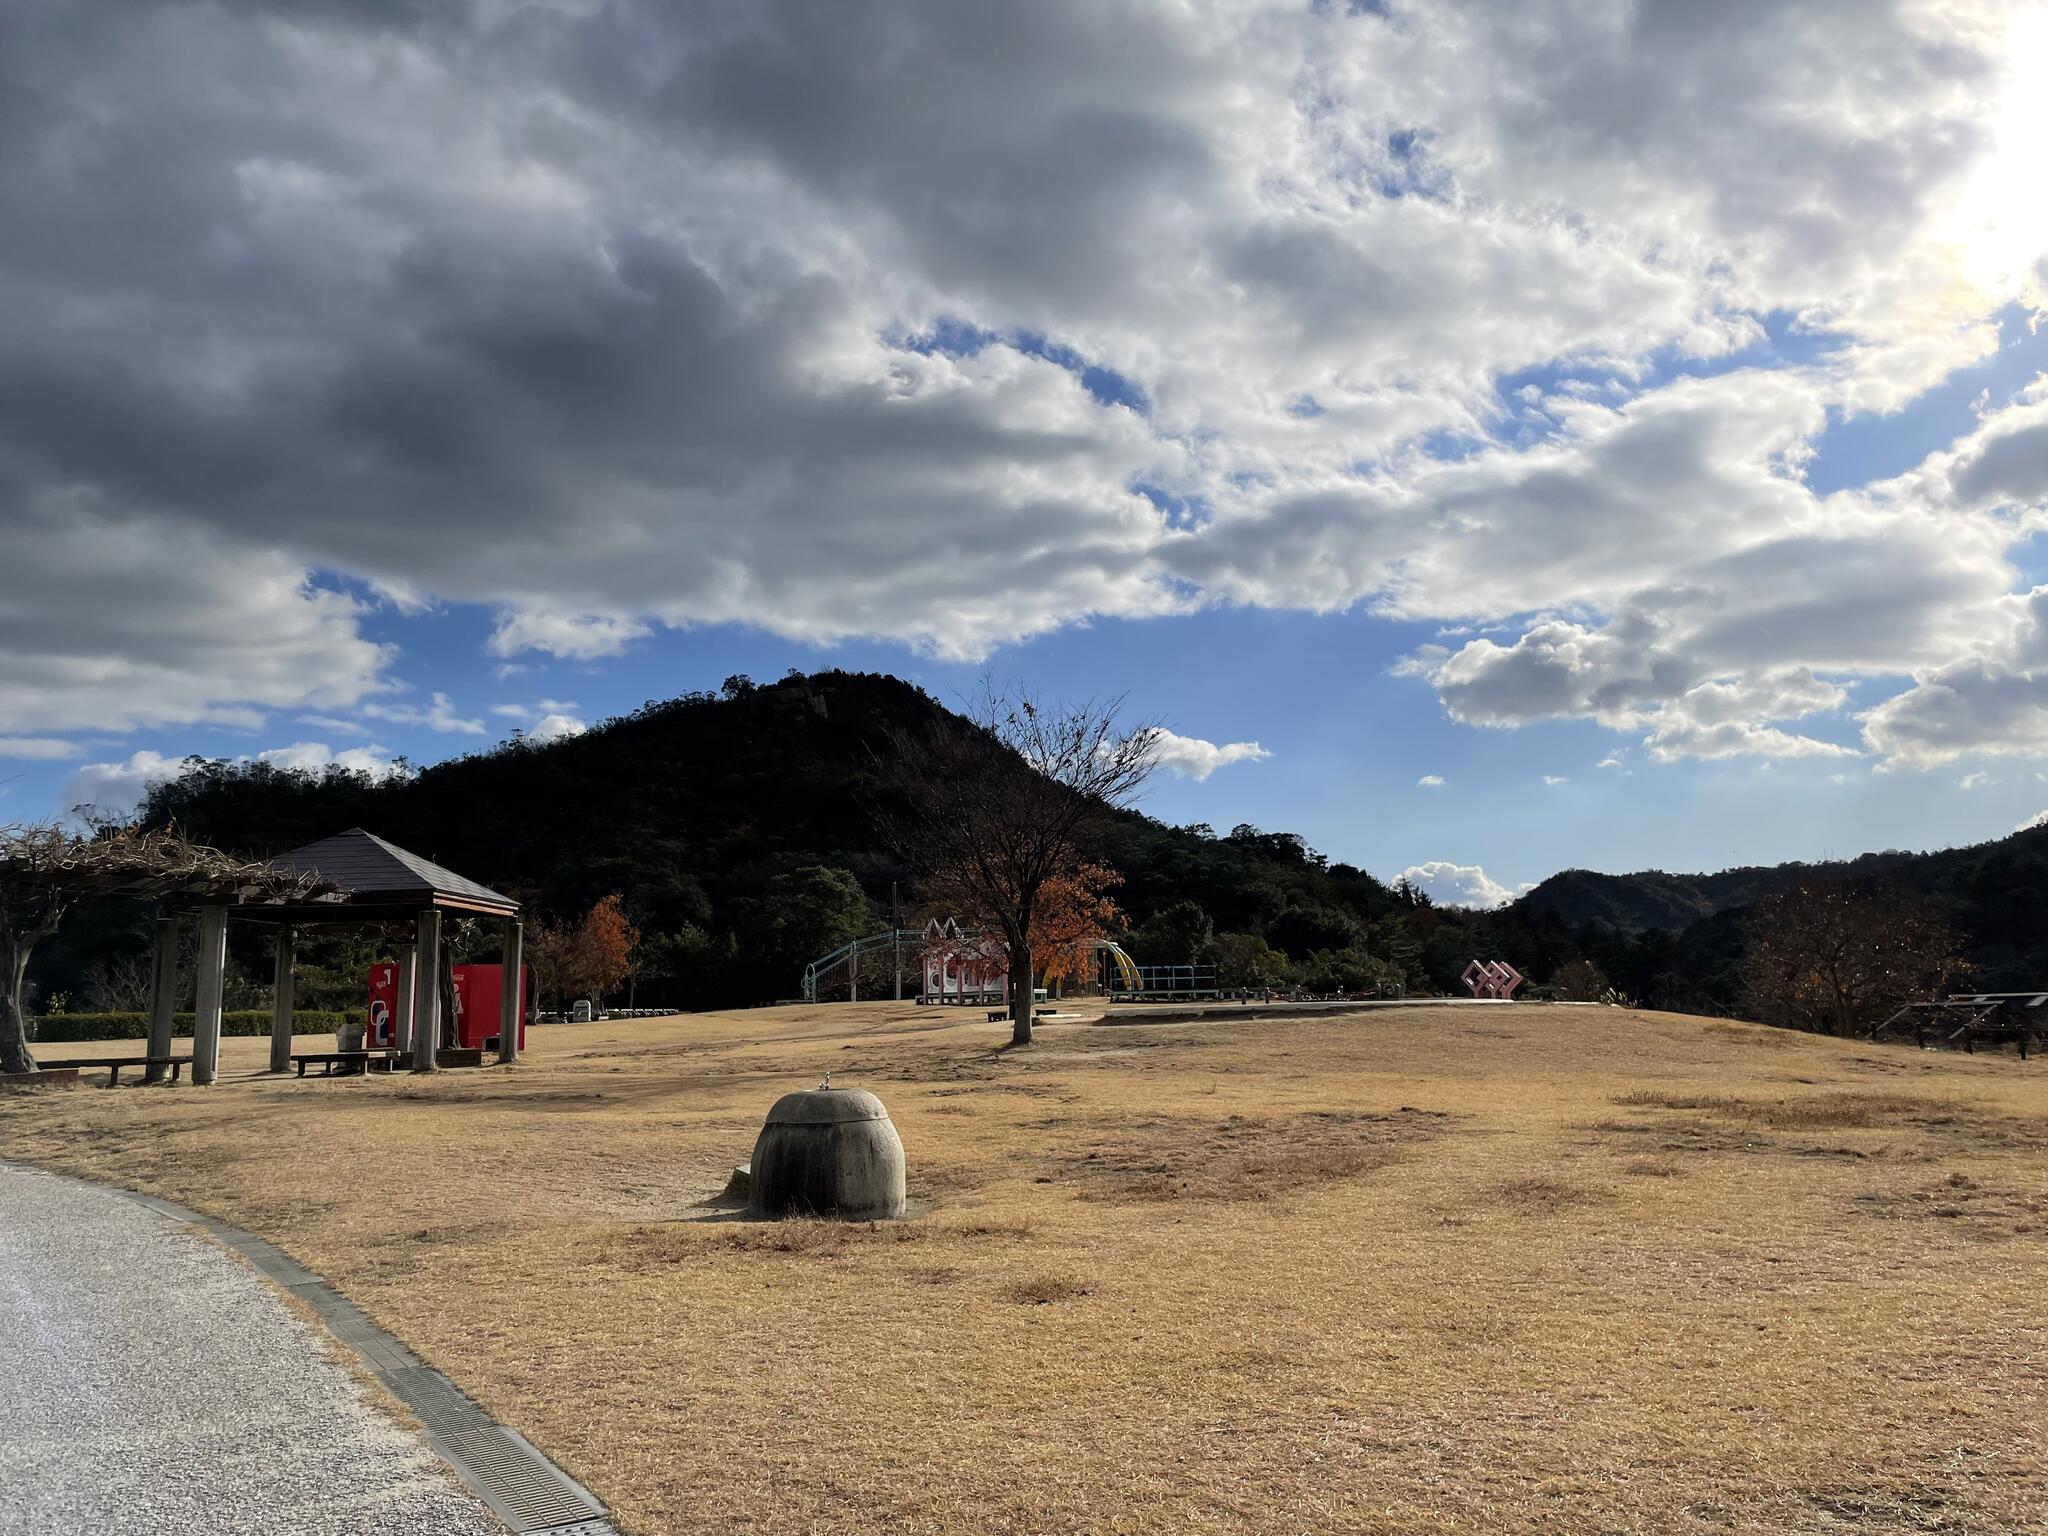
(1000, 805)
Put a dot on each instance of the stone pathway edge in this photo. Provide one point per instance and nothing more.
(498, 1464)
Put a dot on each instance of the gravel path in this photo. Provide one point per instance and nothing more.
(153, 1385)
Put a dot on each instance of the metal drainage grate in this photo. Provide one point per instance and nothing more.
(531, 1494)
(441, 1405)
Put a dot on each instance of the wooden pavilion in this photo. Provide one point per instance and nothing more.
(356, 879)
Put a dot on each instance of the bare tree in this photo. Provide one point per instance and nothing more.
(45, 868)
(998, 808)
(1837, 956)
(120, 984)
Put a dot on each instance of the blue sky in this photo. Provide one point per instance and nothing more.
(1579, 436)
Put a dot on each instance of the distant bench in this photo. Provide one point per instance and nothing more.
(114, 1064)
(349, 1063)
(344, 1062)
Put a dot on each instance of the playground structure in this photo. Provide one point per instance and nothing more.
(1494, 980)
(1157, 983)
(954, 964)
(1971, 1019)
(844, 963)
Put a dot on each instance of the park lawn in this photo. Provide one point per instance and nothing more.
(1521, 1269)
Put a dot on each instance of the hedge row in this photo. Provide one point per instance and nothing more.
(59, 1027)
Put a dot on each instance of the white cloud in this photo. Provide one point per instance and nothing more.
(111, 621)
(119, 788)
(570, 636)
(313, 756)
(1457, 885)
(1430, 781)
(1973, 780)
(536, 708)
(1555, 779)
(2038, 819)
(556, 727)
(545, 720)
(808, 346)
(1190, 757)
(437, 715)
(41, 748)
(1608, 762)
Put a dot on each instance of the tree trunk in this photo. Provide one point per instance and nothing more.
(1020, 991)
(14, 1051)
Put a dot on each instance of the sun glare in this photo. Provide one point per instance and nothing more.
(2002, 221)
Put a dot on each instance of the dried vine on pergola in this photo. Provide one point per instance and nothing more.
(45, 869)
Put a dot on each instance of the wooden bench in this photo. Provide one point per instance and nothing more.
(114, 1064)
(447, 1056)
(346, 1063)
(349, 1063)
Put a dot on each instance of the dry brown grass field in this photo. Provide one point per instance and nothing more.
(1515, 1269)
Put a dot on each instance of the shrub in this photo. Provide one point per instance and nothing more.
(62, 1027)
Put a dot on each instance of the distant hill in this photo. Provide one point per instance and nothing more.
(1994, 893)
(1654, 898)
(1629, 903)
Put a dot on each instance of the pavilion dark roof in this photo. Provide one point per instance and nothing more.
(367, 870)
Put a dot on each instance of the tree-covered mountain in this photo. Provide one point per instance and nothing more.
(711, 814)
(1687, 929)
(740, 829)
(1653, 898)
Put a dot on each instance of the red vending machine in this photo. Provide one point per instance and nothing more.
(380, 1031)
(477, 992)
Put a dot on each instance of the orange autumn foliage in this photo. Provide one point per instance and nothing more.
(1073, 911)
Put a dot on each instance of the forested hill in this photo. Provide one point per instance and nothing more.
(1995, 895)
(701, 811)
(2011, 871)
(737, 828)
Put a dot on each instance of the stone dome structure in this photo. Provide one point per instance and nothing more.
(828, 1152)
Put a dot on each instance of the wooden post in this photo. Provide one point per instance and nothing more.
(281, 1000)
(163, 997)
(401, 1017)
(426, 1009)
(212, 983)
(511, 996)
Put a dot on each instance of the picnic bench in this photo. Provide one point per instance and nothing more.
(114, 1064)
(343, 1063)
(350, 1063)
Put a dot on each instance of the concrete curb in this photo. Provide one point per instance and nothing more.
(522, 1487)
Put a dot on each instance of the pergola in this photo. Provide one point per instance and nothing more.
(357, 880)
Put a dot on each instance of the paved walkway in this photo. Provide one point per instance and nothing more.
(153, 1385)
